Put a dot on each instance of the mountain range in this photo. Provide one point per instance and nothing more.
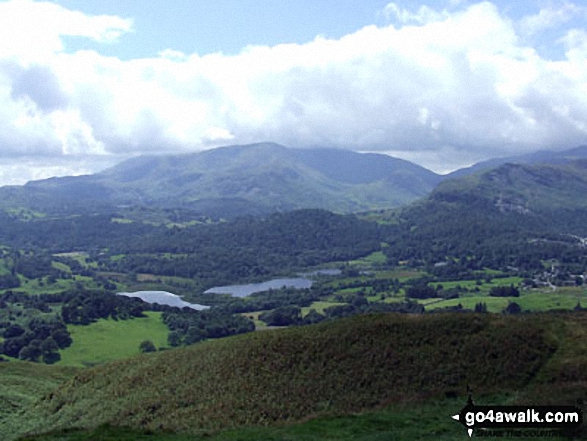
(237, 180)
(251, 180)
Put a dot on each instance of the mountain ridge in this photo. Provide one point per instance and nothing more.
(513, 216)
(245, 179)
(253, 179)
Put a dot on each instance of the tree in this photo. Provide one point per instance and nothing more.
(147, 346)
(174, 338)
(30, 353)
(513, 308)
(283, 316)
(504, 291)
(421, 291)
(313, 317)
(481, 307)
(13, 331)
(48, 346)
(61, 337)
(51, 357)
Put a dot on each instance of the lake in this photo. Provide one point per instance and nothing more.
(251, 288)
(163, 298)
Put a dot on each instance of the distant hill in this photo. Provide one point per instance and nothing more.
(237, 180)
(286, 375)
(540, 157)
(514, 214)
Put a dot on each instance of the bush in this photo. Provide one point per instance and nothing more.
(147, 346)
(504, 291)
(284, 316)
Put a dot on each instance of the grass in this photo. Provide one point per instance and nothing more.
(485, 287)
(108, 340)
(421, 421)
(373, 259)
(562, 298)
(534, 301)
(120, 220)
(277, 377)
(254, 315)
(22, 383)
(402, 274)
(494, 304)
(320, 307)
(61, 266)
(34, 286)
(81, 257)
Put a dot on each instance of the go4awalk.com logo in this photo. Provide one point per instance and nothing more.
(519, 420)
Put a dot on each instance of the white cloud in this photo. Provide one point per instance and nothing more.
(31, 31)
(551, 17)
(423, 15)
(456, 85)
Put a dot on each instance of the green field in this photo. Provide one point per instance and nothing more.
(375, 258)
(320, 307)
(36, 286)
(108, 340)
(494, 304)
(484, 287)
(254, 315)
(533, 300)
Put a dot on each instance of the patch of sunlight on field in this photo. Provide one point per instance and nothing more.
(375, 258)
(402, 274)
(320, 307)
(535, 301)
(254, 316)
(36, 286)
(484, 287)
(494, 304)
(559, 299)
(110, 339)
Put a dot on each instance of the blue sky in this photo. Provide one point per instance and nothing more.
(205, 26)
(87, 83)
(227, 26)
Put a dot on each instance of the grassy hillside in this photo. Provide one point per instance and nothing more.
(343, 366)
(411, 421)
(22, 383)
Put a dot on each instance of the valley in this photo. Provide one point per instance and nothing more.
(483, 274)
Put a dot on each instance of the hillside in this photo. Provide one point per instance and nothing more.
(342, 366)
(516, 215)
(236, 180)
(539, 157)
(23, 383)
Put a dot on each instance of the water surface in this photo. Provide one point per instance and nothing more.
(163, 298)
(251, 288)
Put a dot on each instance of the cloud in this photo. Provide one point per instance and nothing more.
(423, 15)
(38, 84)
(551, 17)
(33, 31)
(443, 87)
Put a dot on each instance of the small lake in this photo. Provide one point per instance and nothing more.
(251, 288)
(163, 298)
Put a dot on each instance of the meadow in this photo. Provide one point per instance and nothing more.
(108, 340)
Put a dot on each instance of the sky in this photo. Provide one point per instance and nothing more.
(85, 84)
